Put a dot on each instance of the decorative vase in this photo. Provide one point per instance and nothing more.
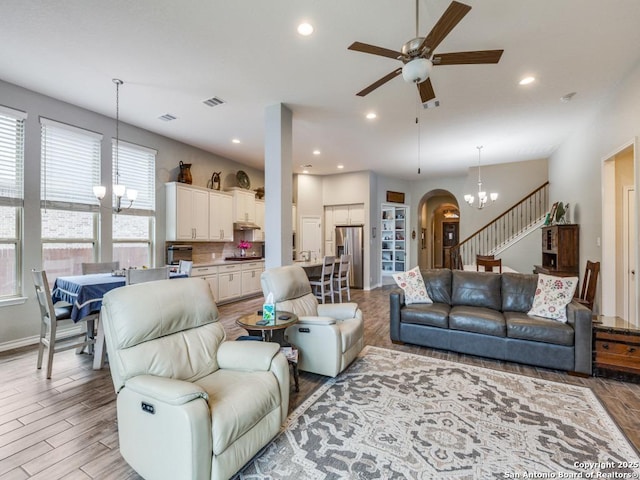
(185, 173)
(243, 252)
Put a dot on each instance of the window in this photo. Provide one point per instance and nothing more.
(133, 227)
(70, 167)
(11, 200)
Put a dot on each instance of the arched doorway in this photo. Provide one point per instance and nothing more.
(438, 218)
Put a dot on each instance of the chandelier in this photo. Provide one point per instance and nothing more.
(482, 195)
(119, 189)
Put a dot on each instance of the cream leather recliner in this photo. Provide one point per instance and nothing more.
(190, 404)
(328, 336)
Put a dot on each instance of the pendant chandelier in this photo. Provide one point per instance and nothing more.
(482, 195)
(119, 189)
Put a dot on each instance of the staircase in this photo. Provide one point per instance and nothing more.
(503, 231)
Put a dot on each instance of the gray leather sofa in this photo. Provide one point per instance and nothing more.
(485, 314)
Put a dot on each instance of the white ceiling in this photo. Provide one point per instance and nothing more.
(173, 55)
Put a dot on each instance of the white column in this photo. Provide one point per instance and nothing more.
(278, 180)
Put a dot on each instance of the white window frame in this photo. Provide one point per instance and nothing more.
(72, 156)
(136, 165)
(12, 192)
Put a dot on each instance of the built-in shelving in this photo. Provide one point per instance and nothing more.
(394, 239)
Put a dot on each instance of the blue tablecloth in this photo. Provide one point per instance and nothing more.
(85, 292)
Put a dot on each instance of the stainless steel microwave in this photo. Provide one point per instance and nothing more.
(175, 253)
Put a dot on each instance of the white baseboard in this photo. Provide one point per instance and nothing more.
(33, 340)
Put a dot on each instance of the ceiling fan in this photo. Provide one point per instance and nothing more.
(418, 55)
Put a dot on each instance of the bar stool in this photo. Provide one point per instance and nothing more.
(341, 282)
(322, 286)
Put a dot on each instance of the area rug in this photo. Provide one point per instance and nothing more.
(398, 415)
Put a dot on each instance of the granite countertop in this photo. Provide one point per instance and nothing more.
(222, 261)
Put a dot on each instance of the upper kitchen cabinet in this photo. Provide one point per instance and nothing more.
(187, 212)
(244, 205)
(220, 217)
(347, 214)
(258, 235)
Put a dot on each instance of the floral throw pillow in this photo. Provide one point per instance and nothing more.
(553, 294)
(412, 284)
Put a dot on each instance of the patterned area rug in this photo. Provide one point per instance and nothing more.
(398, 415)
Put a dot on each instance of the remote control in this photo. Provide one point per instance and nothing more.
(284, 317)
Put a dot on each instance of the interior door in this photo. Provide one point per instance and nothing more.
(311, 240)
(630, 256)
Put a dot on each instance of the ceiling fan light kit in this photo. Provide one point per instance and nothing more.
(417, 70)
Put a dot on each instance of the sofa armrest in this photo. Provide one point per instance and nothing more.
(317, 320)
(247, 355)
(580, 317)
(396, 300)
(339, 311)
(166, 390)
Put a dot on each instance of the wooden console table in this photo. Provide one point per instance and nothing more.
(616, 349)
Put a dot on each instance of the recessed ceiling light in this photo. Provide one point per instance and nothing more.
(235, 140)
(371, 115)
(527, 80)
(316, 152)
(305, 29)
(305, 171)
(340, 167)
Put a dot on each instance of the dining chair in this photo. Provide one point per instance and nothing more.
(589, 284)
(50, 315)
(341, 281)
(322, 286)
(485, 257)
(185, 266)
(489, 264)
(141, 275)
(99, 267)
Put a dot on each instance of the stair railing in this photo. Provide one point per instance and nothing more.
(516, 222)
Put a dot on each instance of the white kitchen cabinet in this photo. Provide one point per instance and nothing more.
(329, 226)
(251, 272)
(356, 214)
(340, 215)
(210, 275)
(294, 217)
(229, 282)
(258, 235)
(343, 215)
(187, 212)
(220, 217)
(244, 205)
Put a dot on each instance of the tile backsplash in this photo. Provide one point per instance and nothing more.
(203, 251)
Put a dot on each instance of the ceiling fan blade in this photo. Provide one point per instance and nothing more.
(380, 82)
(449, 19)
(466, 58)
(426, 91)
(373, 50)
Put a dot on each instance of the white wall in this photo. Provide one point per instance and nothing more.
(21, 322)
(575, 168)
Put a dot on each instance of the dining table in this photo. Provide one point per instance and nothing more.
(84, 293)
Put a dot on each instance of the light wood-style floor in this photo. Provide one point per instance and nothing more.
(66, 427)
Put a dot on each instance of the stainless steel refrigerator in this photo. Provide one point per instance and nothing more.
(349, 240)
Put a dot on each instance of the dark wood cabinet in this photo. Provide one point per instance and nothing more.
(616, 349)
(560, 251)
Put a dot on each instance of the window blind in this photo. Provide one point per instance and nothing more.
(11, 157)
(137, 169)
(70, 166)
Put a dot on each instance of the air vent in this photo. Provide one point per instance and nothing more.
(167, 117)
(214, 102)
